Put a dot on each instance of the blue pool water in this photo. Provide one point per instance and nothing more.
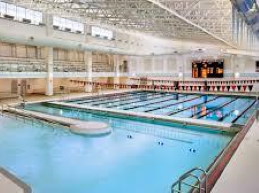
(210, 107)
(54, 160)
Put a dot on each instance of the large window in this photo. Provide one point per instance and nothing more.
(68, 25)
(20, 13)
(11, 9)
(2, 7)
(103, 33)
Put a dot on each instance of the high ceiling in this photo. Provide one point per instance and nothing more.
(200, 20)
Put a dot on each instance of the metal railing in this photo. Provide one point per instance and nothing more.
(200, 185)
(21, 66)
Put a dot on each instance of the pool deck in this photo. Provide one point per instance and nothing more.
(242, 172)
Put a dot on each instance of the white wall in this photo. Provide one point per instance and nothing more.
(172, 66)
(152, 65)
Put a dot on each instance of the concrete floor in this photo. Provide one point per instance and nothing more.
(242, 172)
(8, 185)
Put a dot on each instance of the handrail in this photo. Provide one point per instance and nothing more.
(177, 186)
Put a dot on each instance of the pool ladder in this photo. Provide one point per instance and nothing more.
(200, 186)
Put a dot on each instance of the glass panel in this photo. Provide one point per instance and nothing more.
(66, 23)
(74, 25)
(56, 21)
(2, 7)
(36, 17)
(81, 27)
(102, 32)
(95, 31)
(11, 9)
(28, 14)
(62, 22)
(20, 13)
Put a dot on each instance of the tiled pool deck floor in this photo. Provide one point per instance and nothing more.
(242, 172)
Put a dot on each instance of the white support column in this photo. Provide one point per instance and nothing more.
(88, 58)
(49, 63)
(48, 19)
(117, 62)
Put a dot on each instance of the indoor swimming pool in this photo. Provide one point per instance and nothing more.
(227, 109)
(136, 157)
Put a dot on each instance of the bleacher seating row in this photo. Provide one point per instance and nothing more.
(22, 64)
(9, 64)
(63, 66)
(102, 67)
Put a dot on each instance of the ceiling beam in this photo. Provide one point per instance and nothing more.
(190, 22)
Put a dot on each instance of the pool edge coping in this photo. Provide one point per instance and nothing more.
(17, 181)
